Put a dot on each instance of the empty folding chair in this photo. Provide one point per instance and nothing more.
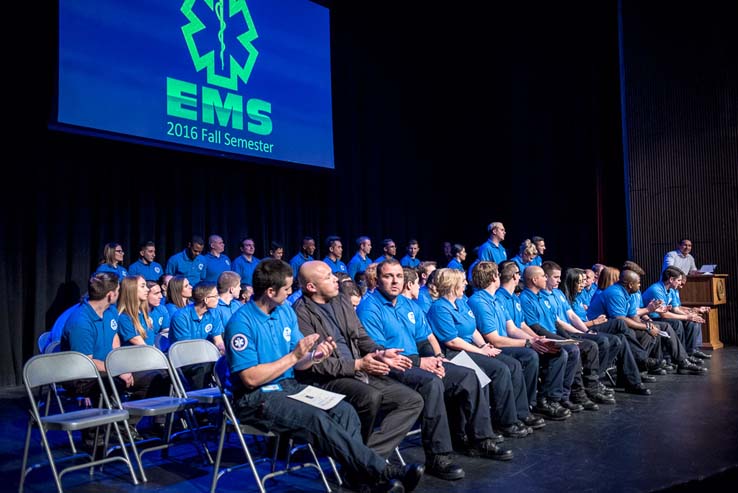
(230, 422)
(144, 358)
(50, 369)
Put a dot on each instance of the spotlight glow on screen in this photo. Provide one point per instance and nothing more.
(237, 78)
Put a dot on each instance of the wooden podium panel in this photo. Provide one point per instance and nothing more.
(707, 290)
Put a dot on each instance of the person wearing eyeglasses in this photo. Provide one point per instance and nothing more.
(112, 260)
(389, 250)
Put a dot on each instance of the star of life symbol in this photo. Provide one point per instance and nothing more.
(234, 57)
(208, 328)
(239, 342)
(411, 317)
(114, 324)
(287, 334)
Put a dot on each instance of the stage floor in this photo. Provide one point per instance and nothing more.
(682, 438)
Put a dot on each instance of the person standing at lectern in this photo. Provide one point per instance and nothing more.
(681, 258)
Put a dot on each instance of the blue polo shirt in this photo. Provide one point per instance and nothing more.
(657, 291)
(336, 266)
(128, 331)
(455, 264)
(150, 272)
(392, 326)
(537, 309)
(490, 314)
(215, 265)
(676, 299)
(253, 338)
(120, 270)
(521, 265)
(634, 303)
(586, 294)
(225, 312)
(88, 333)
(449, 322)
(408, 261)
(187, 325)
(537, 261)
(245, 268)
(490, 252)
(559, 300)
(180, 264)
(511, 303)
(613, 302)
(297, 262)
(160, 316)
(357, 264)
(425, 300)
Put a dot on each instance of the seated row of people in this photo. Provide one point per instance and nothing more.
(399, 362)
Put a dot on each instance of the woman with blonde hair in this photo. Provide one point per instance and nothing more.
(455, 327)
(135, 326)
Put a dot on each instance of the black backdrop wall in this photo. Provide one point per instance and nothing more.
(445, 121)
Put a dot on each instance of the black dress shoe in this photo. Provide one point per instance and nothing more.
(600, 398)
(654, 367)
(701, 355)
(567, 404)
(408, 475)
(515, 431)
(687, 368)
(534, 422)
(442, 466)
(695, 361)
(551, 410)
(648, 378)
(604, 389)
(639, 389)
(487, 449)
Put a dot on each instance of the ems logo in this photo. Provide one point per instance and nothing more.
(200, 266)
(157, 270)
(228, 262)
(471, 313)
(114, 324)
(161, 321)
(545, 302)
(208, 328)
(287, 334)
(239, 342)
(517, 305)
(411, 317)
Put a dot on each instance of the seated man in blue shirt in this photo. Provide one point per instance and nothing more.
(411, 259)
(189, 262)
(146, 266)
(265, 347)
(393, 320)
(335, 252)
(687, 325)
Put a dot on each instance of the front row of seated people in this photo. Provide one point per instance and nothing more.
(391, 357)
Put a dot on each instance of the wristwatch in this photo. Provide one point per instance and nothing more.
(527, 343)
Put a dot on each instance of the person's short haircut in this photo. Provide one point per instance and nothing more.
(682, 240)
(329, 241)
(270, 273)
(484, 274)
(410, 274)
(549, 266)
(412, 241)
(383, 263)
(425, 264)
(197, 240)
(537, 239)
(228, 279)
(201, 290)
(507, 270)
(342, 277)
(670, 272)
(361, 239)
(349, 288)
(145, 244)
(630, 265)
(457, 248)
(493, 225)
(387, 241)
(100, 284)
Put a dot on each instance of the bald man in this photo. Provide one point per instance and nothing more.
(358, 368)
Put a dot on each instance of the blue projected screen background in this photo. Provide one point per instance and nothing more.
(241, 78)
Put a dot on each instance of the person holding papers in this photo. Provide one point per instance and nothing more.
(393, 320)
(359, 367)
(264, 347)
(454, 325)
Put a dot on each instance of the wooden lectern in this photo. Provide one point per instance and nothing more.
(706, 290)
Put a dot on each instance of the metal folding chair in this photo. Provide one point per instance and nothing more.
(142, 358)
(230, 422)
(50, 369)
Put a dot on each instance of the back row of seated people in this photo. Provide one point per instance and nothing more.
(402, 351)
